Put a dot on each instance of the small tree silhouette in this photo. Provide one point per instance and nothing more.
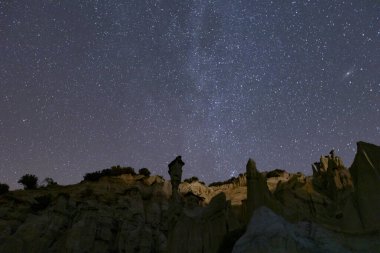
(28, 181)
(144, 171)
(114, 171)
(50, 182)
(4, 188)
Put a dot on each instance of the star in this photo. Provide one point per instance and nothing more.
(89, 85)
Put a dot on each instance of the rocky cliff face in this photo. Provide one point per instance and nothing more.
(342, 199)
(116, 214)
(335, 210)
(113, 215)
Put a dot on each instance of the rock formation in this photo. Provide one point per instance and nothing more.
(332, 178)
(203, 229)
(175, 172)
(335, 210)
(257, 190)
(108, 216)
(365, 171)
(192, 227)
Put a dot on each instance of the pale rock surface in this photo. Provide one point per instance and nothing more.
(268, 232)
(198, 189)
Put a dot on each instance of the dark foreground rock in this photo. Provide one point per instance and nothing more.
(365, 171)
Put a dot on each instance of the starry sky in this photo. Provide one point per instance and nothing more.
(85, 85)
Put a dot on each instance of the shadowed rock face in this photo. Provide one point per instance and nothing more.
(257, 189)
(175, 172)
(108, 216)
(192, 227)
(117, 214)
(365, 171)
(203, 229)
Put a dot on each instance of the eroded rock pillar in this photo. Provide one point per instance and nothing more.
(175, 172)
(251, 171)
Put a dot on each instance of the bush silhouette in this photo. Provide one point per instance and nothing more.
(28, 181)
(192, 179)
(50, 182)
(113, 171)
(229, 181)
(275, 173)
(4, 188)
(216, 184)
(144, 171)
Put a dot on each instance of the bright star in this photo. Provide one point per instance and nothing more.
(349, 73)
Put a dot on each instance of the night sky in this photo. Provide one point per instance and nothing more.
(85, 85)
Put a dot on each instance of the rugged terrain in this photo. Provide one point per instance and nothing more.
(335, 210)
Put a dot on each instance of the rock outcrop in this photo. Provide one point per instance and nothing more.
(341, 199)
(258, 193)
(116, 214)
(332, 178)
(365, 171)
(193, 227)
(275, 177)
(335, 210)
(107, 216)
(198, 189)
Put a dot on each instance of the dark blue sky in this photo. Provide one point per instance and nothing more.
(85, 85)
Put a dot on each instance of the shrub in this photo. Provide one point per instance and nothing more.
(117, 171)
(275, 173)
(190, 180)
(4, 188)
(50, 182)
(28, 181)
(113, 171)
(232, 180)
(216, 184)
(93, 176)
(144, 171)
